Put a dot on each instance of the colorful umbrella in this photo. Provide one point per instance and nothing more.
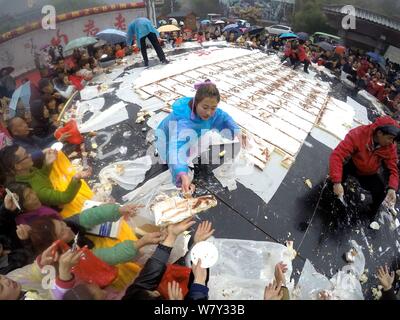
(79, 43)
(205, 22)
(168, 28)
(340, 49)
(112, 36)
(303, 36)
(23, 92)
(230, 26)
(288, 35)
(376, 57)
(325, 46)
(173, 21)
(99, 44)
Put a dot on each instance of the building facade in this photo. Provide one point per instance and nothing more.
(18, 47)
(373, 32)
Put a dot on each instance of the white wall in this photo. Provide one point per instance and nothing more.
(19, 52)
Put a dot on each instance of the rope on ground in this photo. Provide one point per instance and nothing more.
(315, 210)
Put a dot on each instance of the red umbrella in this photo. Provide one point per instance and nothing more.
(340, 50)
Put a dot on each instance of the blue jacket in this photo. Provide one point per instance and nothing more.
(139, 28)
(173, 147)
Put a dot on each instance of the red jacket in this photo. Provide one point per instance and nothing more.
(301, 54)
(358, 145)
(362, 71)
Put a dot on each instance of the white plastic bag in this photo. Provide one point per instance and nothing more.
(344, 285)
(245, 267)
(130, 175)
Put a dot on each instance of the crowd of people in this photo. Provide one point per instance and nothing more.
(36, 232)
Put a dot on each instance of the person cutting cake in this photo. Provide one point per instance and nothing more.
(191, 118)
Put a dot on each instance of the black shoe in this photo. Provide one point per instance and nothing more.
(165, 61)
(146, 63)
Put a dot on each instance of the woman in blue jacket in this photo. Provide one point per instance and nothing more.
(190, 119)
(140, 29)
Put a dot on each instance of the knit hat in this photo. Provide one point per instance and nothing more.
(390, 130)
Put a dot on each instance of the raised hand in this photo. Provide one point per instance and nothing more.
(203, 232)
(67, 261)
(50, 156)
(273, 291)
(280, 269)
(200, 273)
(23, 231)
(9, 203)
(187, 187)
(385, 277)
(150, 238)
(129, 210)
(50, 255)
(174, 291)
(84, 174)
(177, 228)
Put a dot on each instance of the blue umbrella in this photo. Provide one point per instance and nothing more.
(234, 30)
(288, 35)
(377, 57)
(23, 92)
(205, 22)
(112, 36)
(230, 26)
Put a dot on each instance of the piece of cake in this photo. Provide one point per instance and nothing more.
(170, 210)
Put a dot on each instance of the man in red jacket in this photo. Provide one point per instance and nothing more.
(301, 56)
(361, 154)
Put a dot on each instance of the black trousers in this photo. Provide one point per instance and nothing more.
(295, 63)
(156, 45)
(373, 183)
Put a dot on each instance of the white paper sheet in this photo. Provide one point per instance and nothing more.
(93, 106)
(113, 115)
(90, 92)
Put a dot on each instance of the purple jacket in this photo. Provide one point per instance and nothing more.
(29, 217)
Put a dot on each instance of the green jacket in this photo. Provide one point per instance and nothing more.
(123, 252)
(40, 182)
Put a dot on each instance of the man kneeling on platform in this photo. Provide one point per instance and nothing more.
(361, 154)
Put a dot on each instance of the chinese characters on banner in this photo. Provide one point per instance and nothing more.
(120, 22)
(91, 29)
(61, 37)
